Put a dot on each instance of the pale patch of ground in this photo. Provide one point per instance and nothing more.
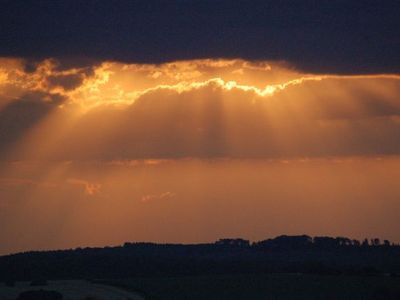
(71, 290)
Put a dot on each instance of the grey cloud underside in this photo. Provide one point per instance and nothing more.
(319, 36)
(211, 123)
(66, 82)
(22, 114)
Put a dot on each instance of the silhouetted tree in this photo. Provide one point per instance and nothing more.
(233, 242)
(342, 241)
(375, 242)
(291, 242)
(325, 242)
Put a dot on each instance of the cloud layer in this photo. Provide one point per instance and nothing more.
(203, 108)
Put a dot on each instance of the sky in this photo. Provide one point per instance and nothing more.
(189, 121)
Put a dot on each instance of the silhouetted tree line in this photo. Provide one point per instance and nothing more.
(303, 254)
(319, 242)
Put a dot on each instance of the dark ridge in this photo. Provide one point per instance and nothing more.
(294, 254)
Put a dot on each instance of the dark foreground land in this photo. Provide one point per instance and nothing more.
(233, 287)
(65, 290)
(264, 287)
(286, 267)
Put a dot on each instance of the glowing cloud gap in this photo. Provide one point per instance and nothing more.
(228, 85)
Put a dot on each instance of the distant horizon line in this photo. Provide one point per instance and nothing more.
(311, 240)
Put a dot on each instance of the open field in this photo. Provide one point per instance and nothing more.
(273, 286)
(232, 287)
(71, 290)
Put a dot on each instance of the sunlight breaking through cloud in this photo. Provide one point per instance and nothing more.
(140, 149)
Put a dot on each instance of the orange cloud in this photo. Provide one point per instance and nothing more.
(162, 196)
(23, 182)
(89, 188)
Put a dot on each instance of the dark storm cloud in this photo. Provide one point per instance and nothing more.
(319, 36)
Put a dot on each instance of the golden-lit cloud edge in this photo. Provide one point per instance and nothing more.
(84, 85)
